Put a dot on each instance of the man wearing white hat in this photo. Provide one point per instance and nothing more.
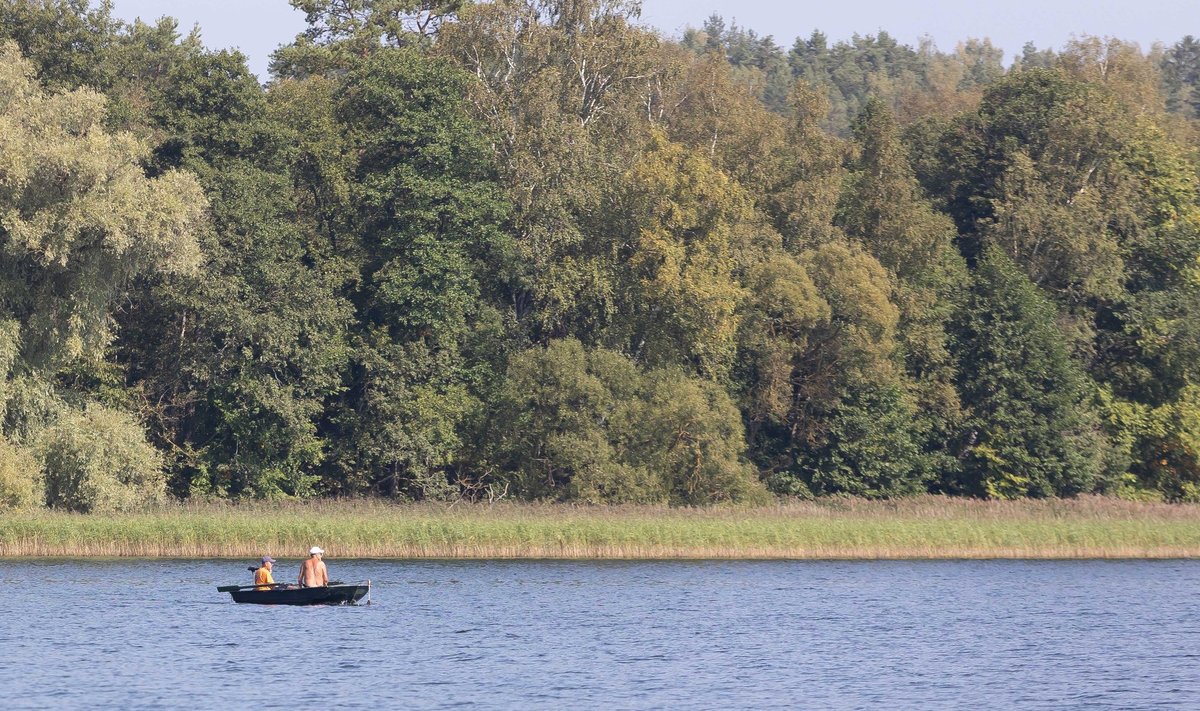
(312, 571)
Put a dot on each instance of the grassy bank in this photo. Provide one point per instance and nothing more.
(928, 527)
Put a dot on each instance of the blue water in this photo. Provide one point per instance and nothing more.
(551, 635)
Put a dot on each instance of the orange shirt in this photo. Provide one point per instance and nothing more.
(263, 577)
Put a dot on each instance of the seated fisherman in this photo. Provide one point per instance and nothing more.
(262, 577)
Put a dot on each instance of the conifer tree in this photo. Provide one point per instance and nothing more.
(1031, 429)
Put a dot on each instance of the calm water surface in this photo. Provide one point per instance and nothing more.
(550, 635)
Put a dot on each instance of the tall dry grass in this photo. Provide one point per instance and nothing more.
(924, 527)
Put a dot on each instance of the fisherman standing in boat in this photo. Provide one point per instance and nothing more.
(262, 577)
(312, 572)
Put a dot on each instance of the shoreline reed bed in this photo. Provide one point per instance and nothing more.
(926, 527)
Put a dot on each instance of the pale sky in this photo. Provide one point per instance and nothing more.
(257, 27)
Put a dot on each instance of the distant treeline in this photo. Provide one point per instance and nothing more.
(532, 249)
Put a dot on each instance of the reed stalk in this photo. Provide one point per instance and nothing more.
(924, 527)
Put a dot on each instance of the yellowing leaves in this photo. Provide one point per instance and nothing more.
(858, 290)
(78, 217)
(67, 183)
(685, 213)
(781, 290)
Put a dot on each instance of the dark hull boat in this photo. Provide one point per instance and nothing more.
(336, 594)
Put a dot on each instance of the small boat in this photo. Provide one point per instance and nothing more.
(335, 593)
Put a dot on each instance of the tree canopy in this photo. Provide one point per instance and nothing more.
(534, 249)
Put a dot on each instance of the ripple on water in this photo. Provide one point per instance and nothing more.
(544, 634)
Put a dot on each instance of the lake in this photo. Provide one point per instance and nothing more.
(612, 635)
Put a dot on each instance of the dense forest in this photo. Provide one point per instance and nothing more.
(534, 249)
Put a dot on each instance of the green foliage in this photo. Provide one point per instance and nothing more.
(425, 222)
(562, 87)
(10, 351)
(399, 427)
(1162, 444)
(848, 397)
(423, 191)
(1062, 174)
(210, 108)
(597, 478)
(573, 422)
(884, 209)
(564, 413)
(704, 107)
(1181, 76)
(828, 409)
(1069, 171)
(252, 346)
(20, 478)
(393, 20)
(870, 449)
(31, 405)
(78, 216)
(679, 292)
(234, 363)
(783, 309)
(759, 61)
(883, 206)
(878, 68)
(692, 437)
(98, 461)
(802, 200)
(1030, 429)
(531, 248)
(340, 32)
(69, 40)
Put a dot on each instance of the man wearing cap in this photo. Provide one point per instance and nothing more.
(312, 571)
(262, 577)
